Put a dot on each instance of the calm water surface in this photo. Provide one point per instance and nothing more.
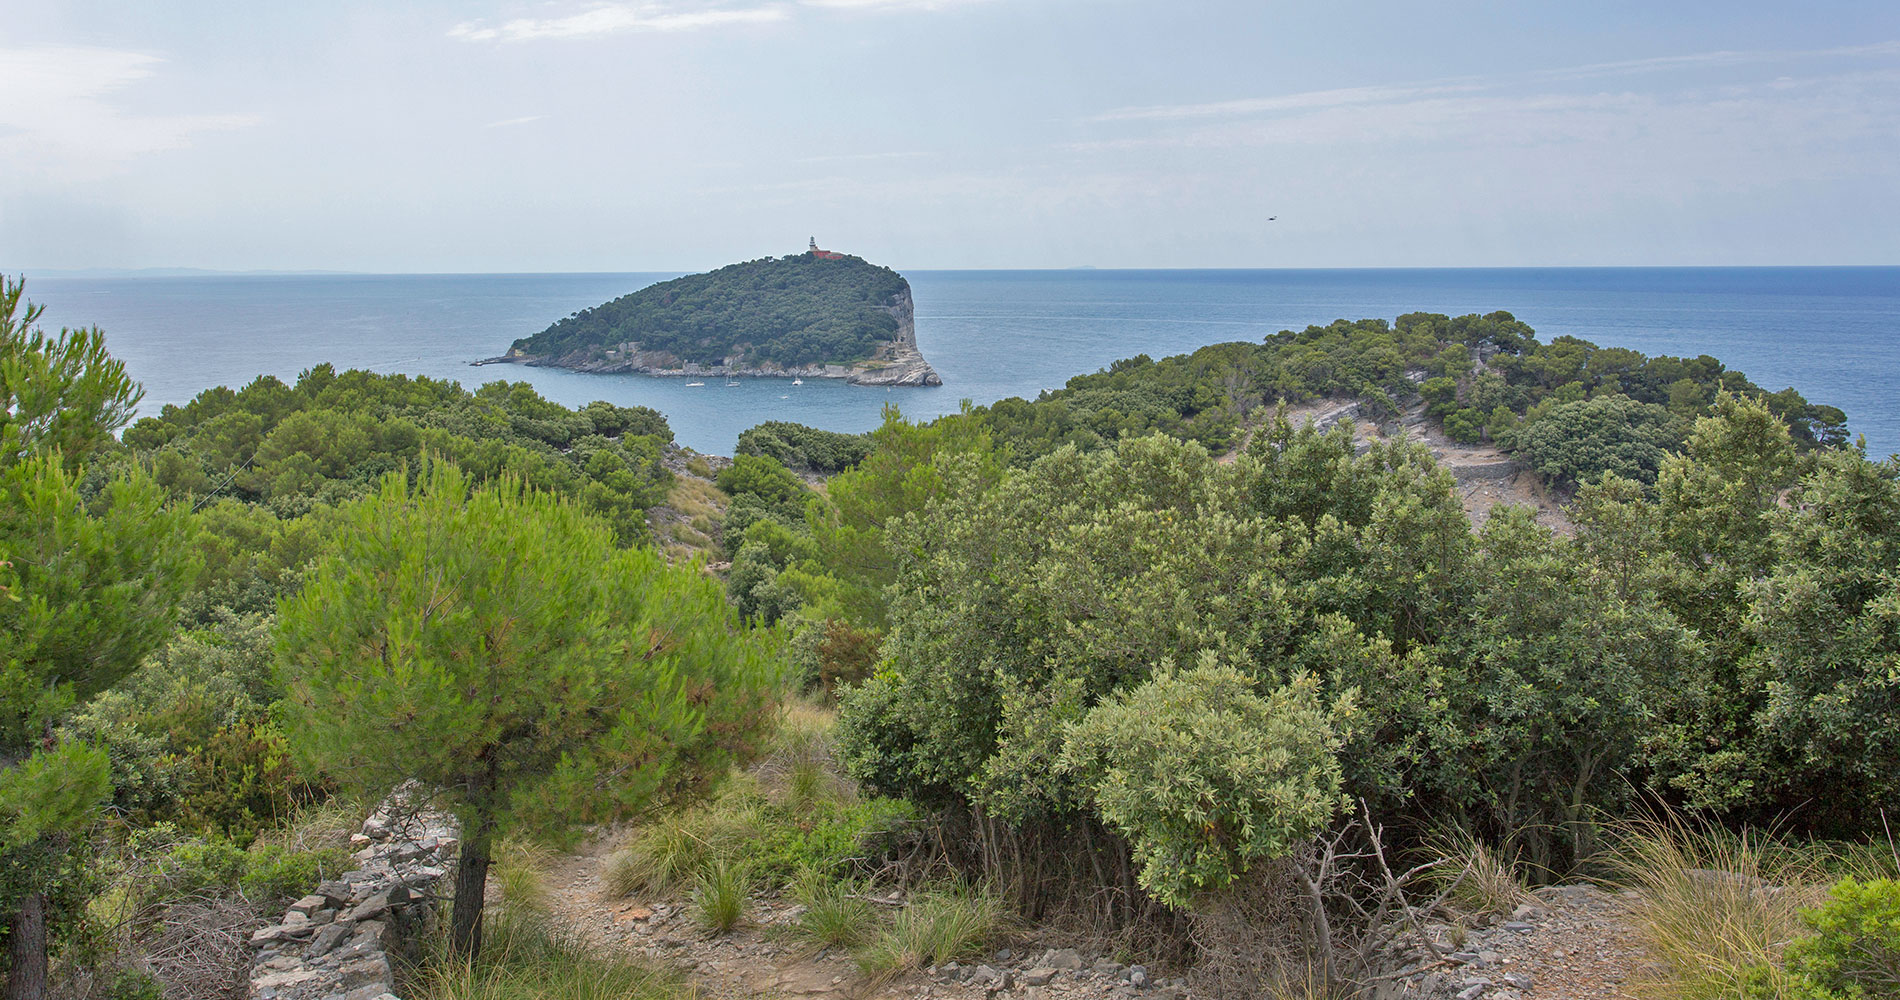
(1832, 333)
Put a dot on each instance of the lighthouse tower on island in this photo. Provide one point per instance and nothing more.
(823, 254)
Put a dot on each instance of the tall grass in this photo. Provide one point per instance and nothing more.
(937, 926)
(719, 896)
(523, 960)
(667, 855)
(1716, 906)
(801, 767)
(521, 871)
(836, 914)
(1480, 878)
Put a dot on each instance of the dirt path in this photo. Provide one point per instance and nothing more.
(754, 960)
(1567, 943)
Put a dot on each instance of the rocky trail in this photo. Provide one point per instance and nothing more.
(1565, 942)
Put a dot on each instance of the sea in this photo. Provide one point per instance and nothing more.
(1833, 333)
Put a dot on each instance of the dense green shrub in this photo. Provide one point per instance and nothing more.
(1204, 776)
(1855, 948)
(331, 437)
(1573, 442)
(193, 738)
(804, 448)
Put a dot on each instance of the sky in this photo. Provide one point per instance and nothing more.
(556, 135)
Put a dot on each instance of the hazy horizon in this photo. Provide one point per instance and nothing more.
(509, 136)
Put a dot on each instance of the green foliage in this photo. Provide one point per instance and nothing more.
(1555, 680)
(1033, 599)
(797, 446)
(60, 394)
(1854, 950)
(1483, 373)
(1573, 442)
(269, 875)
(513, 579)
(903, 473)
(493, 641)
(192, 736)
(1824, 624)
(719, 896)
(333, 436)
(794, 310)
(1204, 776)
(936, 927)
(526, 961)
(765, 478)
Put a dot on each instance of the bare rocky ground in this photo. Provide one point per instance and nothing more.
(1486, 477)
(1566, 942)
(1569, 942)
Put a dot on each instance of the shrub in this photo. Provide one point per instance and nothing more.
(1205, 777)
(276, 874)
(1855, 948)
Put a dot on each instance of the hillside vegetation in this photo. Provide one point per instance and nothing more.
(1140, 660)
(794, 310)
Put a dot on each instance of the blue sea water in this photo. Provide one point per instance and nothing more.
(1832, 333)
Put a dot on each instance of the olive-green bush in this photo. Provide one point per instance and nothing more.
(1205, 776)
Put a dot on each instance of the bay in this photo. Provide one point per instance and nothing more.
(1833, 333)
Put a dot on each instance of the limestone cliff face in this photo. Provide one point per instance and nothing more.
(897, 361)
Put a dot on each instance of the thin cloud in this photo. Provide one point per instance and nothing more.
(56, 108)
(869, 5)
(507, 122)
(1720, 58)
(1823, 123)
(616, 18)
(862, 157)
(1410, 92)
(1304, 101)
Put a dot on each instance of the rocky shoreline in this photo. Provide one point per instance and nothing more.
(896, 363)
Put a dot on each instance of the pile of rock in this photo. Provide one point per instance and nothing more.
(1057, 972)
(345, 940)
(1571, 941)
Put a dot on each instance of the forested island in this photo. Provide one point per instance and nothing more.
(1149, 686)
(815, 315)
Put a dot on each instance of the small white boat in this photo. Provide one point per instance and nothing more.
(732, 382)
(689, 385)
(785, 397)
(798, 381)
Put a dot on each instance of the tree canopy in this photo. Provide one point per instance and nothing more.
(492, 642)
(795, 310)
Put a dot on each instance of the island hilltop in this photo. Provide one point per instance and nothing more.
(818, 314)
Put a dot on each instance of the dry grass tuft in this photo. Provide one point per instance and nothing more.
(1487, 881)
(940, 925)
(1716, 906)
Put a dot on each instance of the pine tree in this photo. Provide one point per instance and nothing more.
(88, 586)
(494, 645)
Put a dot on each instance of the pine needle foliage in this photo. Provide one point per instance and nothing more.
(493, 642)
